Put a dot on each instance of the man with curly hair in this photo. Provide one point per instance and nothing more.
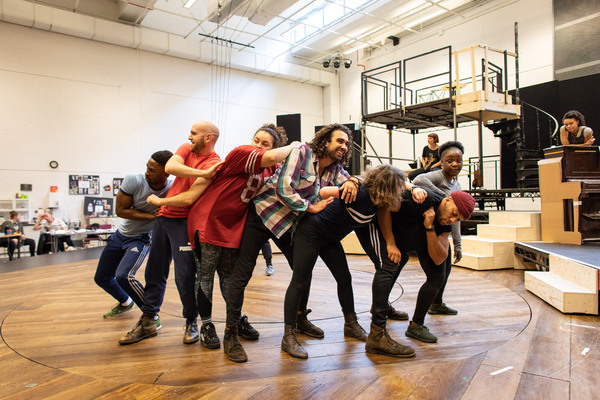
(287, 195)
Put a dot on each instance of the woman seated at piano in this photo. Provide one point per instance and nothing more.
(574, 131)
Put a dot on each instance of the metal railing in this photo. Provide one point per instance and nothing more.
(491, 171)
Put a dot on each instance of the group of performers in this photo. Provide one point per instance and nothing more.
(215, 216)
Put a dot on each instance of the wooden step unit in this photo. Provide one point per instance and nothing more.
(493, 247)
(569, 286)
(486, 253)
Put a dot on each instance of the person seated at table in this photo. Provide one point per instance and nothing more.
(46, 222)
(14, 225)
(574, 130)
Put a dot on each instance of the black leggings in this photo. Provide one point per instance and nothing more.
(309, 243)
(447, 266)
(267, 253)
(387, 273)
(254, 237)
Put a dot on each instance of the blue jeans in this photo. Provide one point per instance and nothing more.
(118, 264)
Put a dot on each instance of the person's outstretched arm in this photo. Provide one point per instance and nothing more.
(176, 166)
(183, 199)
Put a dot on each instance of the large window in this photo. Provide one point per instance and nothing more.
(323, 14)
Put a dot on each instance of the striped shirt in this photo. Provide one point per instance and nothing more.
(293, 188)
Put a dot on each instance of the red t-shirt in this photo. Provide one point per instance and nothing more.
(180, 185)
(220, 213)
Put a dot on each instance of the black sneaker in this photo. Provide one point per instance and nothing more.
(208, 336)
(420, 332)
(441, 309)
(246, 331)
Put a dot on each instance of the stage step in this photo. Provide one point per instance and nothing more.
(562, 294)
(493, 247)
(486, 253)
(515, 218)
(513, 233)
(481, 262)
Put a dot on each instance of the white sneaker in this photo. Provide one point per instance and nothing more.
(269, 271)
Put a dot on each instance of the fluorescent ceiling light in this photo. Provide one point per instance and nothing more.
(189, 3)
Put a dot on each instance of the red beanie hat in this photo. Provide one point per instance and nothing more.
(464, 202)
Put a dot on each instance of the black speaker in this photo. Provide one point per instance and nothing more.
(291, 123)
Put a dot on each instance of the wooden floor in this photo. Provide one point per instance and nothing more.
(505, 343)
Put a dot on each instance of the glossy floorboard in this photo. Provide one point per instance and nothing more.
(504, 344)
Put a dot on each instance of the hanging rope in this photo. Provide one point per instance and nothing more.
(220, 79)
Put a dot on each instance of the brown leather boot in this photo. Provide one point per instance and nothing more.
(379, 342)
(232, 346)
(394, 314)
(290, 344)
(144, 328)
(353, 329)
(306, 327)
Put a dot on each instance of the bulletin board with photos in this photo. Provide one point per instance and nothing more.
(84, 184)
(98, 206)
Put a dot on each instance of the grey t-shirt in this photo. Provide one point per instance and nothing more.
(137, 187)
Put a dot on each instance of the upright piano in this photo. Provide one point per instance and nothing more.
(570, 194)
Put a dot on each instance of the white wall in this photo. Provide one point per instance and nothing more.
(102, 109)
(491, 25)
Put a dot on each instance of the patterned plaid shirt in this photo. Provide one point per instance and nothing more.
(293, 187)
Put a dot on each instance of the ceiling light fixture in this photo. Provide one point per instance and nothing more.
(337, 61)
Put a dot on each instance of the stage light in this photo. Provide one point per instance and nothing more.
(336, 61)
